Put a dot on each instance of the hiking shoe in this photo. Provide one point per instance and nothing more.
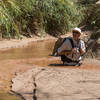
(79, 64)
(72, 64)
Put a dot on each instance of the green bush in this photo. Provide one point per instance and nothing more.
(86, 2)
(8, 11)
(18, 16)
(93, 20)
(94, 17)
(59, 15)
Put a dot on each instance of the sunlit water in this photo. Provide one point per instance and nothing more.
(33, 50)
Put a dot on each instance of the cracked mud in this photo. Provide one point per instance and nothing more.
(58, 83)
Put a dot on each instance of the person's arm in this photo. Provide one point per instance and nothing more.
(82, 48)
(82, 51)
(63, 50)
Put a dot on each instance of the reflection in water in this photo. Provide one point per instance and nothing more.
(33, 50)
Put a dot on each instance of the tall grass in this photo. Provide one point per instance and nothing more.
(93, 20)
(86, 2)
(8, 11)
(52, 16)
(94, 17)
(58, 15)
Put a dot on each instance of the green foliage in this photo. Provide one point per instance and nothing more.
(60, 15)
(94, 17)
(93, 20)
(95, 35)
(8, 10)
(86, 2)
(18, 16)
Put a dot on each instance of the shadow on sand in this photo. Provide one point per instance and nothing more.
(69, 65)
(57, 65)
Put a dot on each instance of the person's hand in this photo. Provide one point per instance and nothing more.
(75, 50)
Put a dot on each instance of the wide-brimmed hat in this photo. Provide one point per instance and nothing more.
(76, 29)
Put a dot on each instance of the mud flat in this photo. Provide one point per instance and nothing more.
(47, 83)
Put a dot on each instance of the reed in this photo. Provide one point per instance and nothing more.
(8, 11)
(17, 17)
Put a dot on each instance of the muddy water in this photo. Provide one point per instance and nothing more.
(38, 49)
(11, 58)
(7, 96)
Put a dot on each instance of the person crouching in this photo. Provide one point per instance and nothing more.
(72, 49)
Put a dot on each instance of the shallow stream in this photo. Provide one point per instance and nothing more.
(33, 50)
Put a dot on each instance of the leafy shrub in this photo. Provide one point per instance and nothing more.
(60, 15)
(86, 2)
(8, 11)
(94, 17)
(18, 16)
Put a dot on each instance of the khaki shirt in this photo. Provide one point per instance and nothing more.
(68, 46)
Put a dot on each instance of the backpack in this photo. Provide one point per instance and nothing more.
(63, 57)
(59, 42)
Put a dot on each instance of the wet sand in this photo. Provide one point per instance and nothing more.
(54, 81)
(9, 68)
